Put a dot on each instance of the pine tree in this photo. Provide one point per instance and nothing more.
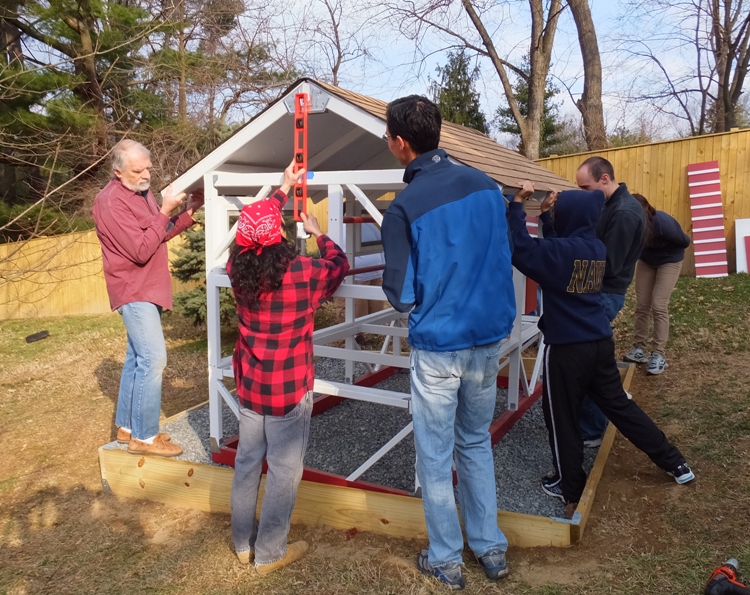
(190, 267)
(552, 128)
(455, 95)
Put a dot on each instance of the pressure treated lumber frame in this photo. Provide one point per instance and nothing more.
(208, 488)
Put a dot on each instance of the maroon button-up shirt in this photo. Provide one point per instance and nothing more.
(273, 356)
(133, 233)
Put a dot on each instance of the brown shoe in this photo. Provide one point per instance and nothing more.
(123, 437)
(245, 557)
(293, 553)
(160, 447)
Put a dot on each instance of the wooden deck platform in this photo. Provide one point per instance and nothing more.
(208, 487)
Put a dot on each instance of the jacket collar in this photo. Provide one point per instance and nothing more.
(622, 190)
(425, 161)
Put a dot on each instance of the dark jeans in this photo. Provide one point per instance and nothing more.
(592, 420)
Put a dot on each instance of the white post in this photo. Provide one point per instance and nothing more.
(349, 312)
(516, 355)
(216, 229)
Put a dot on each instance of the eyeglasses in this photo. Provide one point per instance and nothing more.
(386, 138)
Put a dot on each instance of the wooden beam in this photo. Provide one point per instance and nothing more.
(208, 488)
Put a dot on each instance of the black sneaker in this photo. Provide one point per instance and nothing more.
(682, 474)
(493, 563)
(551, 486)
(450, 574)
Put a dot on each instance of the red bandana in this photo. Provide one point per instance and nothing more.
(259, 226)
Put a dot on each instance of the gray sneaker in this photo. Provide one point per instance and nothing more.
(494, 565)
(636, 355)
(450, 574)
(657, 364)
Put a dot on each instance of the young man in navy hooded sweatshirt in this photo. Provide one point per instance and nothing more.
(579, 357)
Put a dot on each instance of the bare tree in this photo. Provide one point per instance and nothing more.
(693, 58)
(590, 103)
(472, 25)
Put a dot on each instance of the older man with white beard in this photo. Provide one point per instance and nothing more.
(133, 230)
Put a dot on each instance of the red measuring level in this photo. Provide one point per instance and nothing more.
(301, 109)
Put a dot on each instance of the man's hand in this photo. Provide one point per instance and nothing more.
(291, 178)
(549, 201)
(527, 189)
(170, 201)
(310, 223)
(195, 202)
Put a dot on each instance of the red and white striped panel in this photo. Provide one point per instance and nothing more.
(707, 211)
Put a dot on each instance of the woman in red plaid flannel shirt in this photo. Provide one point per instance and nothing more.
(277, 291)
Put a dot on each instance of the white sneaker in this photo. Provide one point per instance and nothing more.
(636, 355)
(657, 364)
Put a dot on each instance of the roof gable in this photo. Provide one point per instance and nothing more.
(346, 136)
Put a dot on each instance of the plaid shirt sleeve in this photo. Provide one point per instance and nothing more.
(280, 197)
(328, 271)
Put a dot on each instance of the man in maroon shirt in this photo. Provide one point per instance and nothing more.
(133, 230)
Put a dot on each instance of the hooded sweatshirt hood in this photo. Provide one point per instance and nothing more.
(576, 212)
(568, 265)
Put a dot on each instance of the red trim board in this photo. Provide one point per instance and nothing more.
(707, 213)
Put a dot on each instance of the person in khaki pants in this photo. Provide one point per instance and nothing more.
(656, 274)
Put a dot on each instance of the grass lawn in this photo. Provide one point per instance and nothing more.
(59, 533)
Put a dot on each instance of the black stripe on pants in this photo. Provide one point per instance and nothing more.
(572, 371)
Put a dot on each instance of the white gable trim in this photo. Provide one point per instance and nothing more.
(192, 178)
(226, 149)
(357, 116)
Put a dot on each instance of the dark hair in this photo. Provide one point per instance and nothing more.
(415, 119)
(254, 274)
(650, 212)
(598, 166)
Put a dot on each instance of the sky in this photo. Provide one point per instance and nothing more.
(397, 68)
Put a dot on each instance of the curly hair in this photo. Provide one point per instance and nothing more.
(255, 274)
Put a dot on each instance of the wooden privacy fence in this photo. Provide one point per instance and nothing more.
(62, 275)
(658, 171)
(56, 276)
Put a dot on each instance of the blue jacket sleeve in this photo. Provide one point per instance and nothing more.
(532, 256)
(398, 277)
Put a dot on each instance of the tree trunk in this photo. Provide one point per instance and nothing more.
(540, 52)
(590, 103)
(182, 91)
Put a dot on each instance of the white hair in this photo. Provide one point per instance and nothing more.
(123, 150)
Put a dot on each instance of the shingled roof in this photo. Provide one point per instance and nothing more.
(264, 144)
(470, 147)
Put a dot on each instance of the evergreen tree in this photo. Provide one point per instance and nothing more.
(552, 133)
(190, 267)
(455, 95)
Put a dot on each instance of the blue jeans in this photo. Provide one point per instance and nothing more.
(139, 399)
(282, 441)
(593, 422)
(453, 400)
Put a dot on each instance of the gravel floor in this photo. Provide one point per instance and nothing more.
(344, 437)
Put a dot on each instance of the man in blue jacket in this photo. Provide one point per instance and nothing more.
(579, 359)
(447, 261)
